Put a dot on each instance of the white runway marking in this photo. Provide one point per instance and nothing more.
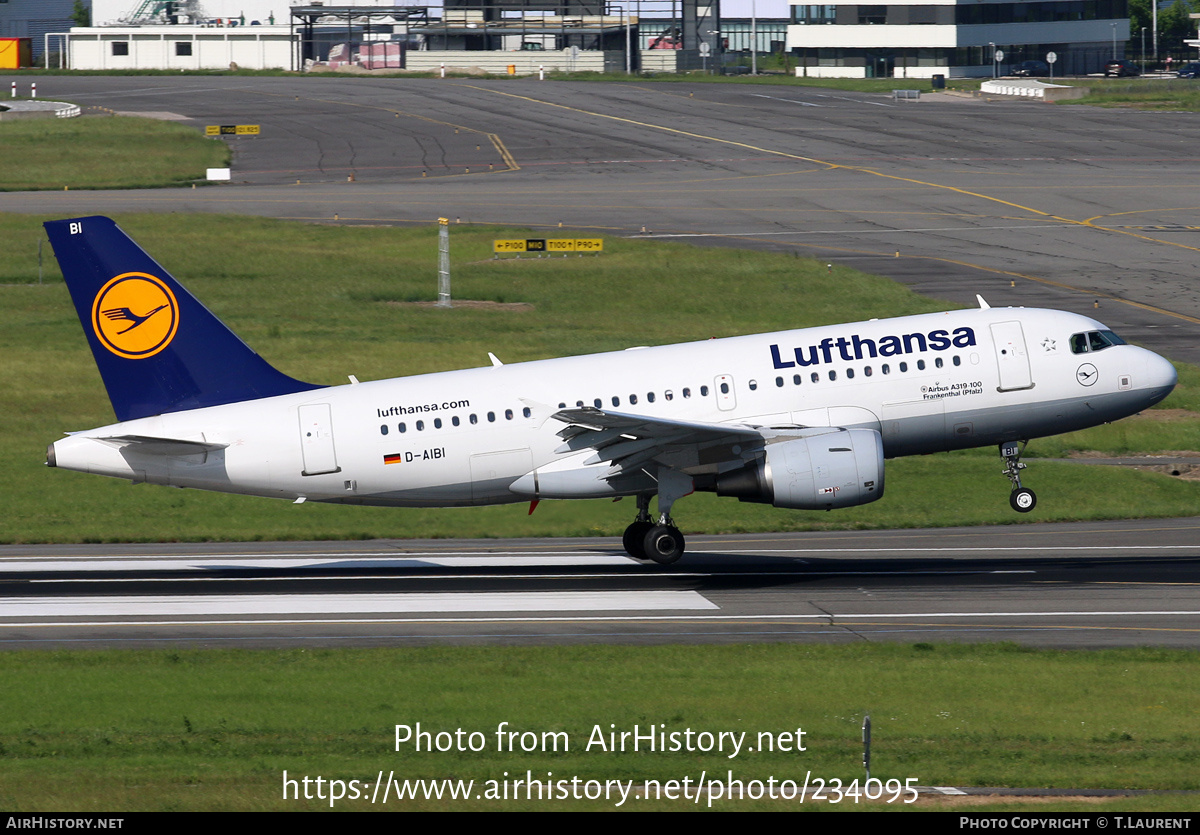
(242, 562)
(789, 101)
(339, 604)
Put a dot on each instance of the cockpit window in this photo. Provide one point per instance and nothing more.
(1082, 343)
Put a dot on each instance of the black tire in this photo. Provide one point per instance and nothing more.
(1023, 500)
(634, 539)
(663, 544)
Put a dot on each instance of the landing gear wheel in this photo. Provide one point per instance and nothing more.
(1022, 500)
(663, 544)
(634, 539)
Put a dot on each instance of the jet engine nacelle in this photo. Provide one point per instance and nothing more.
(837, 469)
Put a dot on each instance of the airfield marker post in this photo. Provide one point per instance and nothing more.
(444, 262)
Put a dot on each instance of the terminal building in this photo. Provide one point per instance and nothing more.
(901, 39)
(955, 38)
(491, 36)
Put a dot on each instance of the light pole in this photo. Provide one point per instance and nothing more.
(753, 38)
(993, 46)
(1154, 29)
(1143, 50)
(1114, 36)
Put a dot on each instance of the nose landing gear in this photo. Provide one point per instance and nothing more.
(1022, 499)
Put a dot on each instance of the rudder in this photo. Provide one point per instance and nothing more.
(157, 347)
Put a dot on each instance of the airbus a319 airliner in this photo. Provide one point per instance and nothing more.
(800, 419)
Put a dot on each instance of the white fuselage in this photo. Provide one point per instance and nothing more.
(926, 383)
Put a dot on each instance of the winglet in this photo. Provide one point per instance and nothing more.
(158, 348)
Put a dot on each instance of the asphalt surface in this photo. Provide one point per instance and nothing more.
(1088, 585)
(1059, 206)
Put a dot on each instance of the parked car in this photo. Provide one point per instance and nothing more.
(1191, 70)
(1122, 68)
(1031, 69)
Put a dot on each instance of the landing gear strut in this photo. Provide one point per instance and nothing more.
(635, 534)
(1022, 499)
(658, 541)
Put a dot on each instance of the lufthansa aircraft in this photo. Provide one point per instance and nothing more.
(798, 419)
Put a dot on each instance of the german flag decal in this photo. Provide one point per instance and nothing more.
(394, 458)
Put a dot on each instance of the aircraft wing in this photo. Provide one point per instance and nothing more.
(629, 441)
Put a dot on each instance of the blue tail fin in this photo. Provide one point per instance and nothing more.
(158, 349)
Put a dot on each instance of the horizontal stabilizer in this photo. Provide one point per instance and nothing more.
(145, 445)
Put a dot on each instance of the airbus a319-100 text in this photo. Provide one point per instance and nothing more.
(800, 419)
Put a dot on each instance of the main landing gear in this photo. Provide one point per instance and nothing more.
(660, 542)
(1022, 499)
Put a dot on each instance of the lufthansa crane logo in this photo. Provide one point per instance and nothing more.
(135, 315)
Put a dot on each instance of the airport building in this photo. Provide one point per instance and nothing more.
(955, 38)
(491, 36)
(34, 18)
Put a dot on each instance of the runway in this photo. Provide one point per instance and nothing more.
(1060, 585)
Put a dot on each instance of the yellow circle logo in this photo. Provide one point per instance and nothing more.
(135, 315)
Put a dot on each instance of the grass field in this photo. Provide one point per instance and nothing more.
(323, 302)
(104, 152)
(215, 729)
